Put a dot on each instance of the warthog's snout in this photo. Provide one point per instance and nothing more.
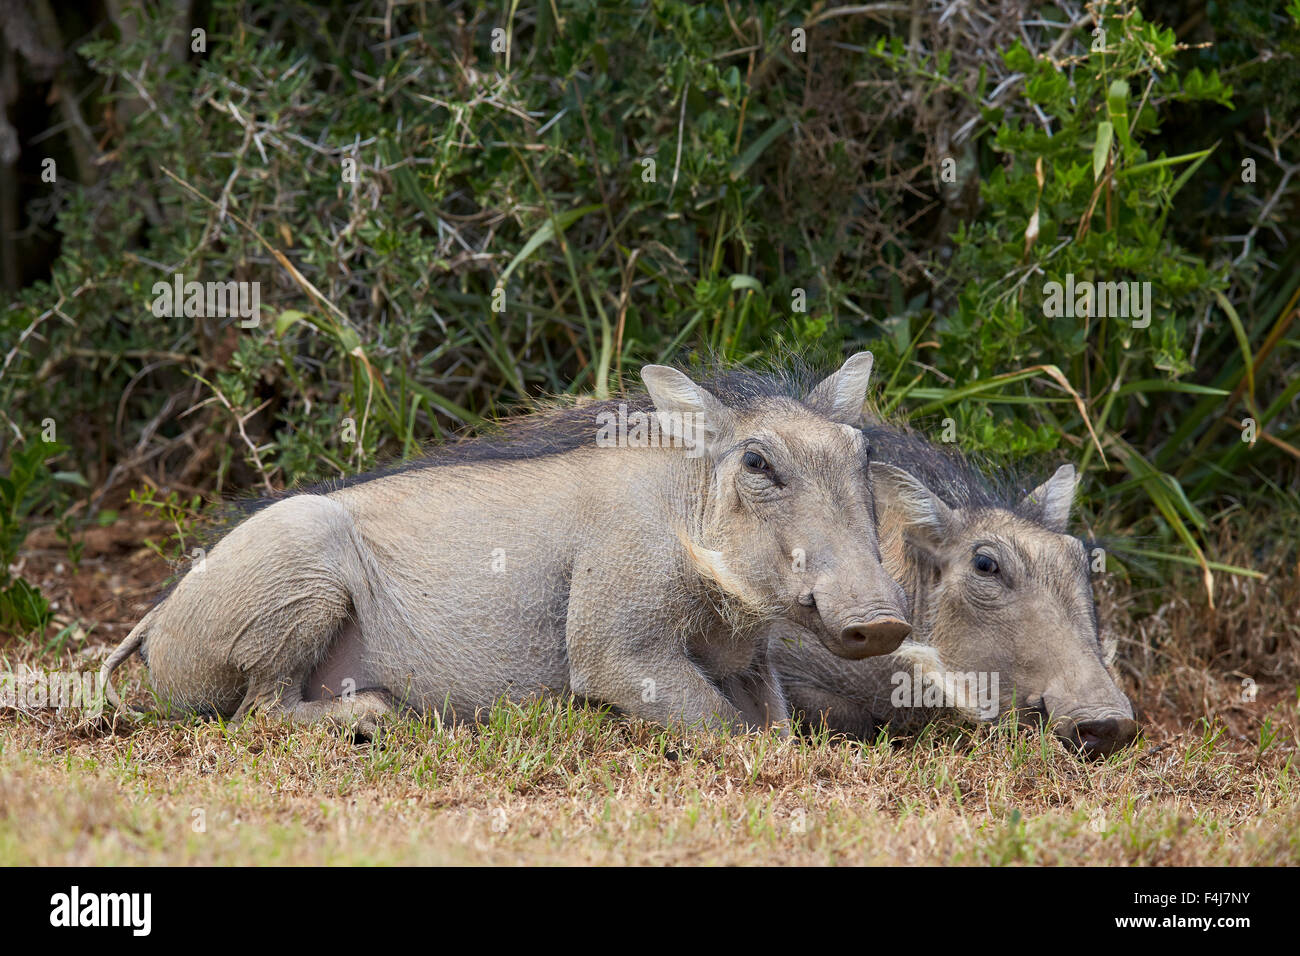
(1099, 737)
(881, 635)
(865, 619)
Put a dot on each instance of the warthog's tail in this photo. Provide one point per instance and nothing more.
(114, 661)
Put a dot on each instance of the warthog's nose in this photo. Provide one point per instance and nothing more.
(881, 635)
(1099, 738)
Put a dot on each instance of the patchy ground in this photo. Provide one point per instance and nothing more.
(557, 784)
(1212, 780)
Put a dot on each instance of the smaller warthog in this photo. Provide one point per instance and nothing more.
(1002, 610)
(627, 551)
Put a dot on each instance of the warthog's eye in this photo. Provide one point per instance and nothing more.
(755, 462)
(985, 564)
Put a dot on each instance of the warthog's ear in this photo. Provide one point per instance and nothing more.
(842, 395)
(1050, 502)
(686, 411)
(927, 519)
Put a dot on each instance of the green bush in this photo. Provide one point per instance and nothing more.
(640, 181)
(28, 487)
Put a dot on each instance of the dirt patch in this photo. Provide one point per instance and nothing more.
(110, 587)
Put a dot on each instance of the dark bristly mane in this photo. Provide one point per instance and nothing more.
(556, 425)
(950, 474)
(957, 480)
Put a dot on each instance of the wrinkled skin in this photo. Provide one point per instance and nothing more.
(635, 576)
(991, 592)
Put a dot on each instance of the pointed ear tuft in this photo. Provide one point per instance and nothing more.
(1051, 501)
(842, 395)
(927, 518)
(685, 410)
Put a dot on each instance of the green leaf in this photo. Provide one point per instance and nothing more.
(348, 338)
(1101, 148)
(1148, 385)
(287, 318)
(1117, 108)
(545, 234)
(757, 147)
(1243, 342)
(1165, 161)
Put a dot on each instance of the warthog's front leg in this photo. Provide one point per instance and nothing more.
(628, 653)
(816, 707)
(664, 687)
(758, 693)
(360, 712)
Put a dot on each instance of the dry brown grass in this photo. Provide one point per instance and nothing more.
(551, 783)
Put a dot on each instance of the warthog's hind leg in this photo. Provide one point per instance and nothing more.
(260, 613)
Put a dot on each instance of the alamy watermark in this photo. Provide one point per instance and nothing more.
(651, 429)
(57, 690)
(1098, 300)
(75, 908)
(216, 300)
(971, 691)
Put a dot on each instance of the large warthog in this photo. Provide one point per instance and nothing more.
(627, 552)
(1001, 604)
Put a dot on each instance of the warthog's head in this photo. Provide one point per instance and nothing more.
(787, 527)
(1007, 592)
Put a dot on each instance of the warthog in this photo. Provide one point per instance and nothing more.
(1002, 609)
(627, 553)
